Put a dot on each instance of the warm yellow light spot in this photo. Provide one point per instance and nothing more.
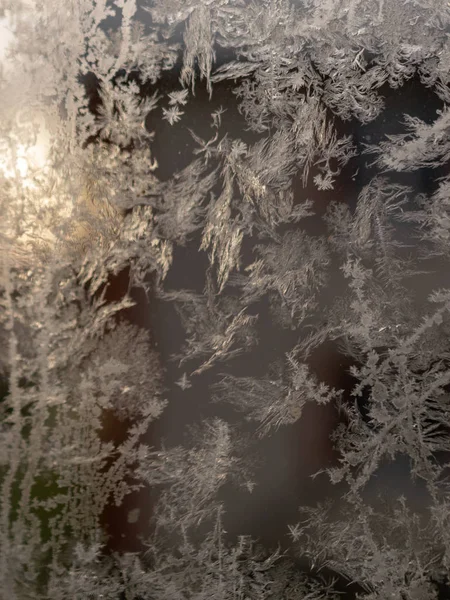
(22, 159)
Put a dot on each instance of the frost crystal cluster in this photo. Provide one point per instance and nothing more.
(224, 299)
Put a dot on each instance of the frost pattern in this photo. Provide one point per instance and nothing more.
(297, 195)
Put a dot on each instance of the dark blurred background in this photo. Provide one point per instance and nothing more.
(285, 460)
